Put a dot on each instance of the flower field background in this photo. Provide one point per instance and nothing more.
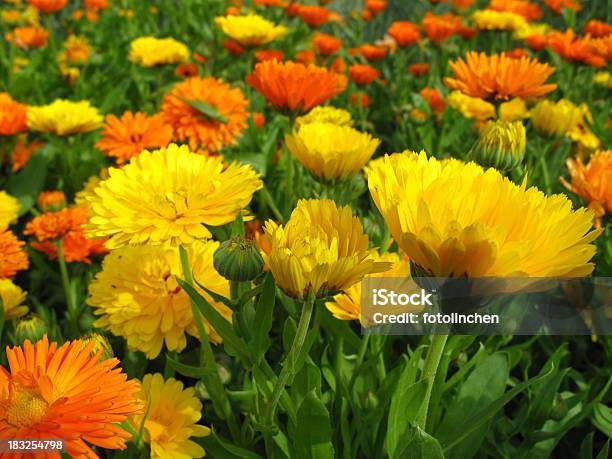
(192, 191)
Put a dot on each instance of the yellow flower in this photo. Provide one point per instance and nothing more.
(330, 151)
(151, 51)
(64, 117)
(458, 219)
(347, 305)
(498, 20)
(137, 297)
(77, 50)
(82, 198)
(531, 28)
(322, 250)
(9, 209)
(564, 118)
(171, 419)
(167, 196)
(513, 110)
(250, 30)
(500, 145)
(12, 300)
(470, 107)
(325, 114)
(603, 79)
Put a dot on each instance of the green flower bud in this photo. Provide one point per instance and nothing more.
(238, 260)
(370, 402)
(559, 408)
(30, 327)
(501, 145)
(101, 343)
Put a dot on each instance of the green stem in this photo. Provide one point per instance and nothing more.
(292, 356)
(432, 361)
(545, 175)
(70, 300)
(272, 205)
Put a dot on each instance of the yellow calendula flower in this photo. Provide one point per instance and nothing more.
(347, 305)
(250, 30)
(76, 49)
(12, 300)
(9, 209)
(137, 297)
(325, 114)
(64, 117)
(513, 110)
(473, 107)
(322, 250)
(82, 198)
(330, 151)
(458, 219)
(171, 418)
(167, 196)
(532, 28)
(498, 20)
(603, 79)
(151, 51)
(500, 145)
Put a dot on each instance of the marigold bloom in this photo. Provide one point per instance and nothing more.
(28, 37)
(95, 5)
(440, 27)
(172, 418)
(462, 4)
(419, 69)
(76, 248)
(66, 393)
(9, 209)
(470, 107)
(250, 30)
(602, 47)
(329, 151)
(556, 5)
(404, 33)
(597, 29)
(359, 99)
(51, 226)
(77, 49)
(51, 200)
(48, 6)
(603, 79)
(12, 300)
(22, 152)
(436, 215)
(233, 47)
(592, 182)
(572, 48)
(314, 15)
(12, 256)
(370, 52)
(268, 54)
(524, 8)
(536, 42)
(125, 137)
(198, 128)
(347, 305)
(13, 115)
(327, 114)
(556, 118)
(64, 117)
(513, 110)
(376, 6)
(322, 250)
(151, 51)
(363, 74)
(305, 57)
(500, 145)
(517, 53)
(498, 20)
(326, 44)
(137, 297)
(167, 196)
(434, 99)
(295, 86)
(499, 77)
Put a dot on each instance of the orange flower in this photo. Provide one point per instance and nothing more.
(597, 29)
(371, 52)
(305, 57)
(207, 132)
(602, 47)
(572, 48)
(359, 99)
(500, 77)
(363, 74)
(466, 32)
(22, 152)
(517, 53)
(419, 69)
(67, 393)
(186, 70)
(52, 226)
(528, 10)
(592, 182)
(326, 44)
(434, 99)
(366, 15)
(259, 120)
(12, 256)
(198, 57)
(233, 47)
(29, 37)
(404, 33)
(75, 247)
(338, 65)
(376, 6)
(279, 3)
(268, 54)
(556, 5)
(440, 27)
(13, 115)
(51, 200)
(295, 86)
(95, 5)
(232, 11)
(125, 137)
(48, 6)
(313, 15)
(536, 42)
(462, 4)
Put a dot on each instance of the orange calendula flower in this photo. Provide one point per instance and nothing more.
(597, 29)
(536, 42)
(363, 74)
(13, 115)
(51, 200)
(29, 37)
(22, 152)
(186, 70)
(12, 256)
(326, 44)
(48, 6)
(359, 99)
(556, 5)
(233, 47)
(602, 47)
(268, 54)
(517, 53)
(51, 226)
(125, 137)
(500, 77)
(528, 10)
(462, 4)
(376, 6)
(592, 182)
(572, 48)
(371, 52)
(95, 5)
(305, 57)
(419, 69)
(404, 33)
(314, 15)
(75, 247)
(434, 99)
(68, 393)
(295, 86)
(440, 27)
(206, 112)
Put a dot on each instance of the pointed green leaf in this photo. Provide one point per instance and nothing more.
(205, 109)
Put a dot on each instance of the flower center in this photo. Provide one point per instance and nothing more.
(25, 408)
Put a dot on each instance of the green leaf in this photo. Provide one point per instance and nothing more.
(313, 432)
(263, 318)
(26, 185)
(602, 418)
(306, 381)
(586, 448)
(205, 109)
(217, 446)
(187, 370)
(605, 451)
(417, 444)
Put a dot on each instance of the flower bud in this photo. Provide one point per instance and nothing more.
(31, 327)
(101, 343)
(501, 145)
(238, 260)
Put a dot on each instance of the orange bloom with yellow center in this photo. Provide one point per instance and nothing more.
(125, 137)
(572, 48)
(29, 37)
(404, 33)
(13, 115)
(12, 256)
(592, 182)
(295, 86)
(314, 15)
(66, 393)
(500, 77)
(206, 112)
(363, 74)
(326, 44)
(48, 6)
(440, 27)
(528, 10)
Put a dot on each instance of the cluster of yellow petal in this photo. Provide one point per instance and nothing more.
(474, 107)
(457, 219)
(250, 30)
(498, 20)
(326, 114)
(64, 117)
(9, 209)
(12, 300)
(151, 51)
